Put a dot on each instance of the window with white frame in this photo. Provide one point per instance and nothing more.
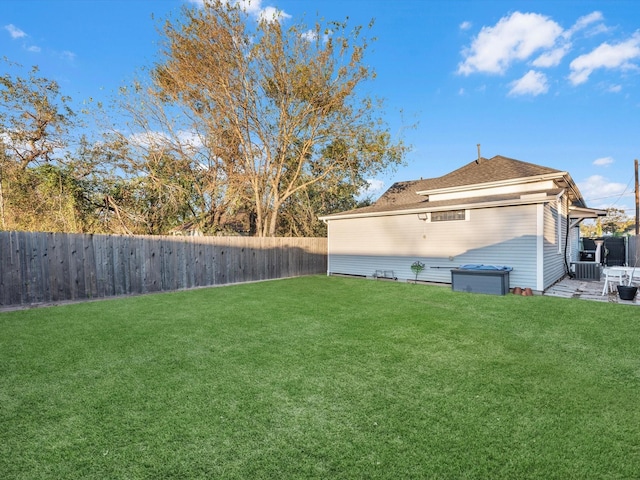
(449, 216)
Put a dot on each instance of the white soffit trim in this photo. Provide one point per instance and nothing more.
(578, 214)
(581, 212)
(459, 206)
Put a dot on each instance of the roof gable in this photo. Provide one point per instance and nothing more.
(480, 171)
(496, 169)
(498, 180)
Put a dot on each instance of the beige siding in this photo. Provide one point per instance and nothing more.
(500, 236)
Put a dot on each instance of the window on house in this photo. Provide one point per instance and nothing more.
(448, 216)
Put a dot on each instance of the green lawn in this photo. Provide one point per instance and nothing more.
(321, 377)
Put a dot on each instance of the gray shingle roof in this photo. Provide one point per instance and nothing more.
(496, 169)
(403, 195)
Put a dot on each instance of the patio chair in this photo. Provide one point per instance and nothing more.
(612, 278)
(634, 277)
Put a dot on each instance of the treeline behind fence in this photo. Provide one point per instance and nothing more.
(51, 267)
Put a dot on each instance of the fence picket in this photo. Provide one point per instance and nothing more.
(46, 267)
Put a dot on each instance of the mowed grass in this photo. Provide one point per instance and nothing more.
(321, 377)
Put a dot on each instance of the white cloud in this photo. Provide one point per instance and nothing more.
(618, 56)
(601, 28)
(312, 36)
(253, 8)
(542, 43)
(599, 192)
(373, 189)
(190, 139)
(184, 140)
(513, 38)
(148, 139)
(272, 14)
(465, 25)
(553, 57)
(67, 55)
(583, 22)
(250, 6)
(14, 31)
(532, 83)
(603, 162)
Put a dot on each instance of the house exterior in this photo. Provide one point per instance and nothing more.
(497, 211)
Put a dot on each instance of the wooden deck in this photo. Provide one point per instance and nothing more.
(586, 290)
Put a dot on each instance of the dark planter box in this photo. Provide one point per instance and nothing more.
(492, 282)
(627, 292)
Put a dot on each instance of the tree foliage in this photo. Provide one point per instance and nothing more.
(35, 118)
(280, 109)
(242, 126)
(41, 186)
(615, 223)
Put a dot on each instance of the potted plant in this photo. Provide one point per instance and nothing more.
(628, 292)
(417, 267)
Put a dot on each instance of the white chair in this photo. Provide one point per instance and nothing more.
(634, 276)
(612, 278)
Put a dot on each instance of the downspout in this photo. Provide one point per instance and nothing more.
(326, 222)
(566, 246)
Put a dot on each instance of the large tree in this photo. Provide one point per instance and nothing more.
(615, 223)
(41, 185)
(280, 109)
(171, 173)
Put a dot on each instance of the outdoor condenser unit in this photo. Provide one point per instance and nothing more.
(587, 270)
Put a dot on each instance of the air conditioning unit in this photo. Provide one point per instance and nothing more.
(587, 270)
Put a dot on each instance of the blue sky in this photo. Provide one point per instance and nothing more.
(555, 83)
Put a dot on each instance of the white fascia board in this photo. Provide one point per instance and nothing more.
(501, 183)
(578, 214)
(574, 189)
(521, 188)
(581, 212)
(460, 206)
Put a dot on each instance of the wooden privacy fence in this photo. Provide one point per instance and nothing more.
(49, 267)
